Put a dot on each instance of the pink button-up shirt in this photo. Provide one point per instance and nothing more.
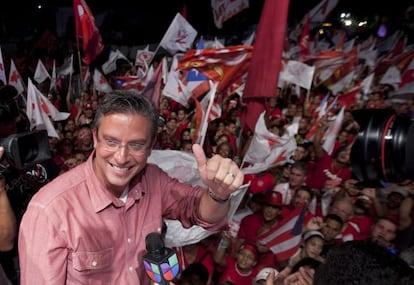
(76, 232)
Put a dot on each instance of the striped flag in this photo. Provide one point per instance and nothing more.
(197, 82)
(285, 237)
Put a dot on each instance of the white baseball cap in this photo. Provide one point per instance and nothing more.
(262, 275)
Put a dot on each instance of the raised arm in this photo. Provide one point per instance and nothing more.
(222, 177)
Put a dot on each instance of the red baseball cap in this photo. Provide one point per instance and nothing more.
(260, 182)
(273, 198)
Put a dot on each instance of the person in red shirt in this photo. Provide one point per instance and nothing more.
(328, 171)
(230, 130)
(196, 253)
(254, 225)
(257, 223)
(241, 269)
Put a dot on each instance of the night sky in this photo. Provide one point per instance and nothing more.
(140, 22)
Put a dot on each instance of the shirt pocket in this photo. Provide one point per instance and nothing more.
(92, 260)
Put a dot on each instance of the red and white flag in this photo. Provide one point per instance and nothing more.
(317, 115)
(41, 73)
(268, 149)
(174, 87)
(2, 69)
(100, 82)
(39, 109)
(179, 36)
(15, 79)
(285, 237)
(350, 98)
(143, 56)
(304, 38)
(87, 30)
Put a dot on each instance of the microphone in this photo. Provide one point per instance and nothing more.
(160, 263)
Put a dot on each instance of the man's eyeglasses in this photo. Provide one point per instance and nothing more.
(133, 147)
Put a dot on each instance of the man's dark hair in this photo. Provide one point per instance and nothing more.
(300, 165)
(195, 270)
(363, 263)
(127, 103)
(306, 262)
(335, 218)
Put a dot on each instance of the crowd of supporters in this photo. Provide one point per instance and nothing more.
(339, 209)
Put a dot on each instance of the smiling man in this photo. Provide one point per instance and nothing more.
(89, 225)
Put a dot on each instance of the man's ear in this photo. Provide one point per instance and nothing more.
(95, 137)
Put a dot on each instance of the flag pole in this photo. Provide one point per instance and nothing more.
(203, 131)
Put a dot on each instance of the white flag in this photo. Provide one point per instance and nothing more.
(298, 73)
(392, 76)
(53, 79)
(343, 83)
(110, 64)
(366, 83)
(67, 67)
(322, 10)
(100, 82)
(15, 79)
(2, 69)
(174, 88)
(36, 111)
(41, 73)
(179, 36)
(206, 104)
(225, 9)
(332, 132)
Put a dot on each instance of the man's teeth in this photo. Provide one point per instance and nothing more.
(120, 168)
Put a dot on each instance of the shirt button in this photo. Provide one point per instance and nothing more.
(129, 240)
(94, 263)
(131, 268)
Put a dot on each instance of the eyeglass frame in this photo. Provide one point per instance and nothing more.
(114, 145)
